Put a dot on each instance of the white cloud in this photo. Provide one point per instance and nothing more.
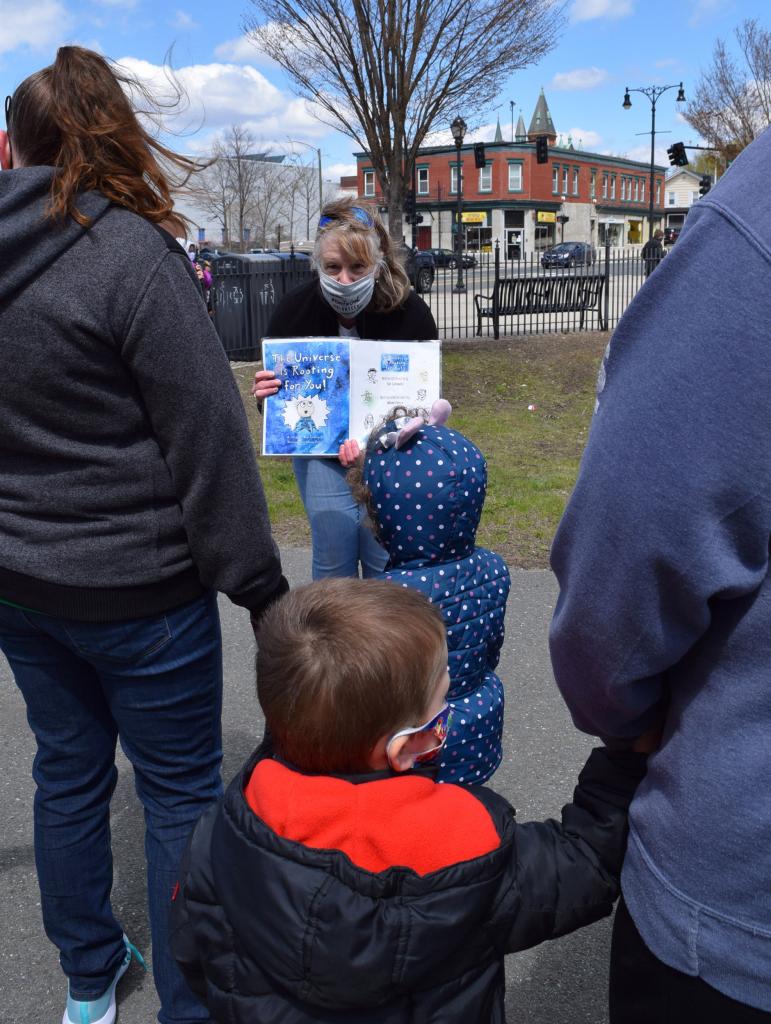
(585, 138)
(338, 171)
(579, 78)
(222, 94)
(587, 10)
(127, 4)
(37, 26)
(239, 51)
(643, 154)
(183, 21)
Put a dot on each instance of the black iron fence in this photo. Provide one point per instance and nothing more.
(504, 296)
(501, 296)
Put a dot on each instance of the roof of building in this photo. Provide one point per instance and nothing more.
(541, 122)
(498, 132)
(521, 133)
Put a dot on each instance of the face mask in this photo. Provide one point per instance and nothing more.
(436, 731)
(348, 300)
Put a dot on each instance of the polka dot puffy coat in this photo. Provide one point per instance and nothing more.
(427, 499)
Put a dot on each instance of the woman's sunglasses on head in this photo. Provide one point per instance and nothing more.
(362, 215)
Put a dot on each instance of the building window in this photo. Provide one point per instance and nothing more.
(454, 178)
(515, 178)
(593, 185)
(423, 185)
(369, 183)
(694, 197)
(555, 179)
(658, 193)
(486, 178)
(637, 190)
(671, 199)
(623, 187)
(575, 181)
(613, 186)
(604, 185)
(565, 180)
(642, 191)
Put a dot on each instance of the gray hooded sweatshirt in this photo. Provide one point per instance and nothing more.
(128, 481)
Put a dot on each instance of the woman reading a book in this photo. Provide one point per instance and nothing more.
(362, 291)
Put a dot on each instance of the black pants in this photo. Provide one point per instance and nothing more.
(643, 990)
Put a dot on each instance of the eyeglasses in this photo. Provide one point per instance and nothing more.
(437, 729)
(362, 215)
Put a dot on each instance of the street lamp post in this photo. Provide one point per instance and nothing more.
(317, 151)
(458, 129)
(653, 92)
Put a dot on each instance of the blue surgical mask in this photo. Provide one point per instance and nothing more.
(348, 300)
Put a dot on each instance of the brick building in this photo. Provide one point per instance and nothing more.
(520, 202)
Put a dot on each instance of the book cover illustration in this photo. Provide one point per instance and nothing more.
(336, 388)
(309, 414)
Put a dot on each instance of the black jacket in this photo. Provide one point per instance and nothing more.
(304, 312)
(268, 931)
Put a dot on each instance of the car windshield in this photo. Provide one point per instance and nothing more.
(564, 247)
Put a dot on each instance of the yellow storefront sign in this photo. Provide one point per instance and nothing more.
(546, 217)
(474, 217)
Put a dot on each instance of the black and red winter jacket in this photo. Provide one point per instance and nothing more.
(385, 898)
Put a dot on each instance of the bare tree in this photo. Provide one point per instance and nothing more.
(732, 99)
(386, 73)
(211, 193)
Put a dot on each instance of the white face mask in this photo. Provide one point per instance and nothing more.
(348, 300)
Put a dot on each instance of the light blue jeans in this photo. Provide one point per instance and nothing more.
(340, 532)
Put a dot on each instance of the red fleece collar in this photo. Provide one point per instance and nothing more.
(404, 820)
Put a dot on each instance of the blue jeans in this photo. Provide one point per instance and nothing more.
(340, 533)
(157, 684)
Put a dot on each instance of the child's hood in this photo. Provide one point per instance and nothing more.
(427, 497)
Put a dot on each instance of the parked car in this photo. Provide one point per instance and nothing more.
(447, 258)
(420, 269)
(569, 254)
(671, 235)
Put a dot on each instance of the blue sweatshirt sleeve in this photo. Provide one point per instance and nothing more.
(671, 509)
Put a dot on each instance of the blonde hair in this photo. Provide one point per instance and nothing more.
(371, 246)
(342, 663)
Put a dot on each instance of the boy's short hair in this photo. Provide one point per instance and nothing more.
(342, 663)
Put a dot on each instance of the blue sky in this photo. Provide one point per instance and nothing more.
(605, 45)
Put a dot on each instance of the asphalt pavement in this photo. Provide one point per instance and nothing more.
(561, 982)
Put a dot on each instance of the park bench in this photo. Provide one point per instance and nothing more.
(559, 291)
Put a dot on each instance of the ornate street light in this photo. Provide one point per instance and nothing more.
(458, 129)
(653, 92)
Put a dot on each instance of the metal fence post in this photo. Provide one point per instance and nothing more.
(496, 324)
(606, 298)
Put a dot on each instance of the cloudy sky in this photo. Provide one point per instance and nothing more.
(606, 44)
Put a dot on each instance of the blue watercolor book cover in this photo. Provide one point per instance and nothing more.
(309, 415)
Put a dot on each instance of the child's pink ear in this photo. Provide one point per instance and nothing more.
(440, 413)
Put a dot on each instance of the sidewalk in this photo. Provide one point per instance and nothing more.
(562, 982)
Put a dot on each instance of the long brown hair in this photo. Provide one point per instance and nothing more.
(76, 116)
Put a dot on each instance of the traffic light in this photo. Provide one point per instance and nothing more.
(409, 205)
(677, 155)
(541, 149)
(705, 184)
(479, 154)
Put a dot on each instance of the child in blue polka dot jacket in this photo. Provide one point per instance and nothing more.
(424, 485)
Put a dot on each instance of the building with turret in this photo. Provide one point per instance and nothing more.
(576, 196)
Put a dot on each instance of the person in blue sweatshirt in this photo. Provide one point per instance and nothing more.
(664, 610)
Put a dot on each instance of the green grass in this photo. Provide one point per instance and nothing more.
(532, 456)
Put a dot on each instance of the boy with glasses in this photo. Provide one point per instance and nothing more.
(337, 880)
